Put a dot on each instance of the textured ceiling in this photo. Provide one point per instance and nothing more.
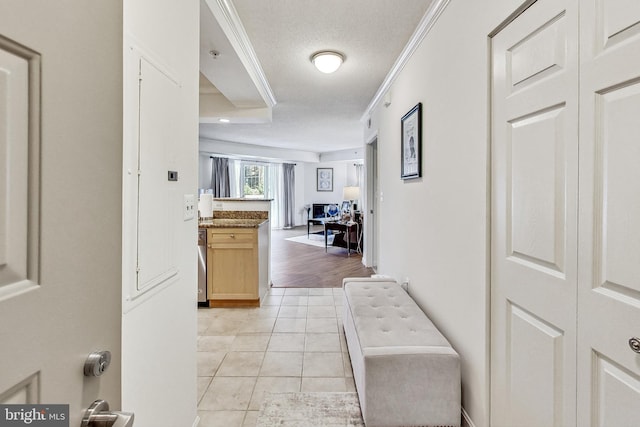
(315, 111)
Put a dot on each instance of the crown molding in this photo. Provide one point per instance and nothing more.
(227, 16)
(239, 149)
(426, 23)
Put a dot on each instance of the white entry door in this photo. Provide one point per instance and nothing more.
(534, 217)
(609, 238)
(60, 200)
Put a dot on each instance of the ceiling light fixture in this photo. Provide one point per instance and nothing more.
(327, 61)
(224, 120)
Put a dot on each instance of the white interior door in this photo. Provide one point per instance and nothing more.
(609, 249)
(60, 200)
(534, 217)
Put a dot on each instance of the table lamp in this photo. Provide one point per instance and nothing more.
(352, 194)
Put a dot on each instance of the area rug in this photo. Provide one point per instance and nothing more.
(310, 410)
(313, 239)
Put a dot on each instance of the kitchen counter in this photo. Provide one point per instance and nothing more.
(240, 199)
(231, 223)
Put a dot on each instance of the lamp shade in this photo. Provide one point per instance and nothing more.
(351, 193)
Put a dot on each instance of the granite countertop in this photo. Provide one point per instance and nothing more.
(231, 223)
(239, 199)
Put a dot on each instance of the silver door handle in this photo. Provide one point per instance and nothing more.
(98, 415)
(634, 343)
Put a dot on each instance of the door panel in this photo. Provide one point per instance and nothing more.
(60, 200)
(618, 190)
(19, 261)
(24, 392)
(609, 249)
(538, 55)
(534, 217)
(615, 21)
(15, 117)
(535, 201)
(535, 368)
(616, 394)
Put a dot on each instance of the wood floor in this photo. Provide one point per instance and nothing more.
(297, 265)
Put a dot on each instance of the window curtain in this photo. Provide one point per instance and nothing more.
(220, 182)
(235, 177)
(288, 195)
(273, 190)
(359, 175)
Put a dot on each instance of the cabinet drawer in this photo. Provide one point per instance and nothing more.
(231, 235)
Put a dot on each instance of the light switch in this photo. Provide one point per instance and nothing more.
(189, 207)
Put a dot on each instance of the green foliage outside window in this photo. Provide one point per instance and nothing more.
(253, 180)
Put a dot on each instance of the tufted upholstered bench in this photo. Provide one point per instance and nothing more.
(405, 371)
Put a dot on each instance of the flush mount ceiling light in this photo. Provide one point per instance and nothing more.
(327, 61)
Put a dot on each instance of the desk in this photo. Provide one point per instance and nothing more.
(319, 221)
(346, 227)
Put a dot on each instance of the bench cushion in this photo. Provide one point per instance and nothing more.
(386, 316)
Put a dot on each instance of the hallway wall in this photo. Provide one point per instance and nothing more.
(159, 327)
(340, 179)
(434, 230)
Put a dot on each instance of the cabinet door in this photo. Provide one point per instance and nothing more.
(232, 259)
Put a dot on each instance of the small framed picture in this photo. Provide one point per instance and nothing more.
(411, 143)
(324, 180)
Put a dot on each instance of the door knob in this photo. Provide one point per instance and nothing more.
(98, 415)
(634, 343)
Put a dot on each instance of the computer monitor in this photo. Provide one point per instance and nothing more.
(318, 210)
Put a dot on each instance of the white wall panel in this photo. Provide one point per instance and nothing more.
(159, 96)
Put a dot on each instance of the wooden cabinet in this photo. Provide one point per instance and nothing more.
(235, 266)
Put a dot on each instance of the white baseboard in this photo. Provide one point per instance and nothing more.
(196, 421)
(467, 422)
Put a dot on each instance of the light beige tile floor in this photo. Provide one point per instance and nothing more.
(294, 342)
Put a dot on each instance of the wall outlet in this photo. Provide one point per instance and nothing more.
(189, 207)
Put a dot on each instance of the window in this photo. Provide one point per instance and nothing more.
(253, 183)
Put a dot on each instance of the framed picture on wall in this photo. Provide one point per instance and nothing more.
(324, 179)
(411, 143)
